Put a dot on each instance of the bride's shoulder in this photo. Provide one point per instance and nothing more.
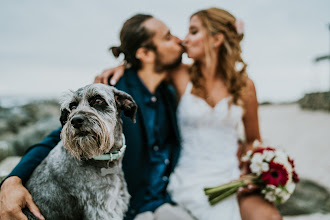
(180, 71)
(180, 78)
(250, 84)
(249, 90)
(249, 96)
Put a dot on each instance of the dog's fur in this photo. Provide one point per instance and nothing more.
(68, 184)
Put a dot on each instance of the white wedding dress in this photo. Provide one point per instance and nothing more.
(208, 156)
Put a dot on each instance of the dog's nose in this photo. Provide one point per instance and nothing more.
(77, 121)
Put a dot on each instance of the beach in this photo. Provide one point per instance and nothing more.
(303, 134)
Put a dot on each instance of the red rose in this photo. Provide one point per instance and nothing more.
(295, 177)
(262, 149)
(277, 175)
(291, 161)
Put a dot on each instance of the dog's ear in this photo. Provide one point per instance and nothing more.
(126, 103)
(64, 116)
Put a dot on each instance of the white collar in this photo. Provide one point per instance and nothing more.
(115, 155)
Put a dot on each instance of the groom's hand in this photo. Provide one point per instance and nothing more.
(114, 73)
(13, 198)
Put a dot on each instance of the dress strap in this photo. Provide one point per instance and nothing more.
(188, 88)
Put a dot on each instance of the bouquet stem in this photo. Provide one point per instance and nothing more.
(224, 195)
(218, 193)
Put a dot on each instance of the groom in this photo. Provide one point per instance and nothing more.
(153, 143)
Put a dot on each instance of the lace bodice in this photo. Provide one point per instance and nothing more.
(209, 135)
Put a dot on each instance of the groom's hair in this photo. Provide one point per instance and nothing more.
(133, 36)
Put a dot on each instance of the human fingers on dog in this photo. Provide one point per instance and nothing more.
(18, 216)
(11, 210)
(33, 208)
(13, 199)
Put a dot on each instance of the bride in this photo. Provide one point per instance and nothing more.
(215, 95)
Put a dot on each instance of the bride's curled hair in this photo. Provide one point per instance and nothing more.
(230, 66)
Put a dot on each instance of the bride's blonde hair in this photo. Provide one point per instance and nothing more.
(216, 21)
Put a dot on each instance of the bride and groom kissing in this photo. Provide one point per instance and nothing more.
(185, 135)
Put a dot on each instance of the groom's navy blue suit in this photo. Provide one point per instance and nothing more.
(153, 145)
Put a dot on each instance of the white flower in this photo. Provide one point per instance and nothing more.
(283, 195)
(258, 165)
(257, 158)
(268, 155)
(265, 167)
(270, 197)
(282, 158)
(290, 186)
(277, 194)
(247, 156)
(270, 187)
(256, 143)
(278, 191)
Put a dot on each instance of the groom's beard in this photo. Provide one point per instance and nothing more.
(161, 67)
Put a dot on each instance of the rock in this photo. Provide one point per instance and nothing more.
(22, 126)
(5, 150)
(309, 197)
(316, 101)
(7, 165)
(33, 134)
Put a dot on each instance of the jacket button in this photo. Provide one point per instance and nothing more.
(153, 99)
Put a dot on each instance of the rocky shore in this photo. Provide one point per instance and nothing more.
(22, 126)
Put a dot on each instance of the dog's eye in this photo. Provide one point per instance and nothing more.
(98, 101)
(73, 106)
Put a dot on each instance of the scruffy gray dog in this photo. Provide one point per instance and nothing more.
(81, 178)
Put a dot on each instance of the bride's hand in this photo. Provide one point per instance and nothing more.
(248, 190)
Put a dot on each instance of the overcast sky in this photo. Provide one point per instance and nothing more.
(48, 47)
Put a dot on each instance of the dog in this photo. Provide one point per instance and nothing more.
(81, 178)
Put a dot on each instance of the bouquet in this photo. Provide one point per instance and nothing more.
(272, 170)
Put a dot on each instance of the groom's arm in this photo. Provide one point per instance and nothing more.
(13, 195)
(34, 155)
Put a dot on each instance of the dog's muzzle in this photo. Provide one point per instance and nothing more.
(86, 135)
(77, 121)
